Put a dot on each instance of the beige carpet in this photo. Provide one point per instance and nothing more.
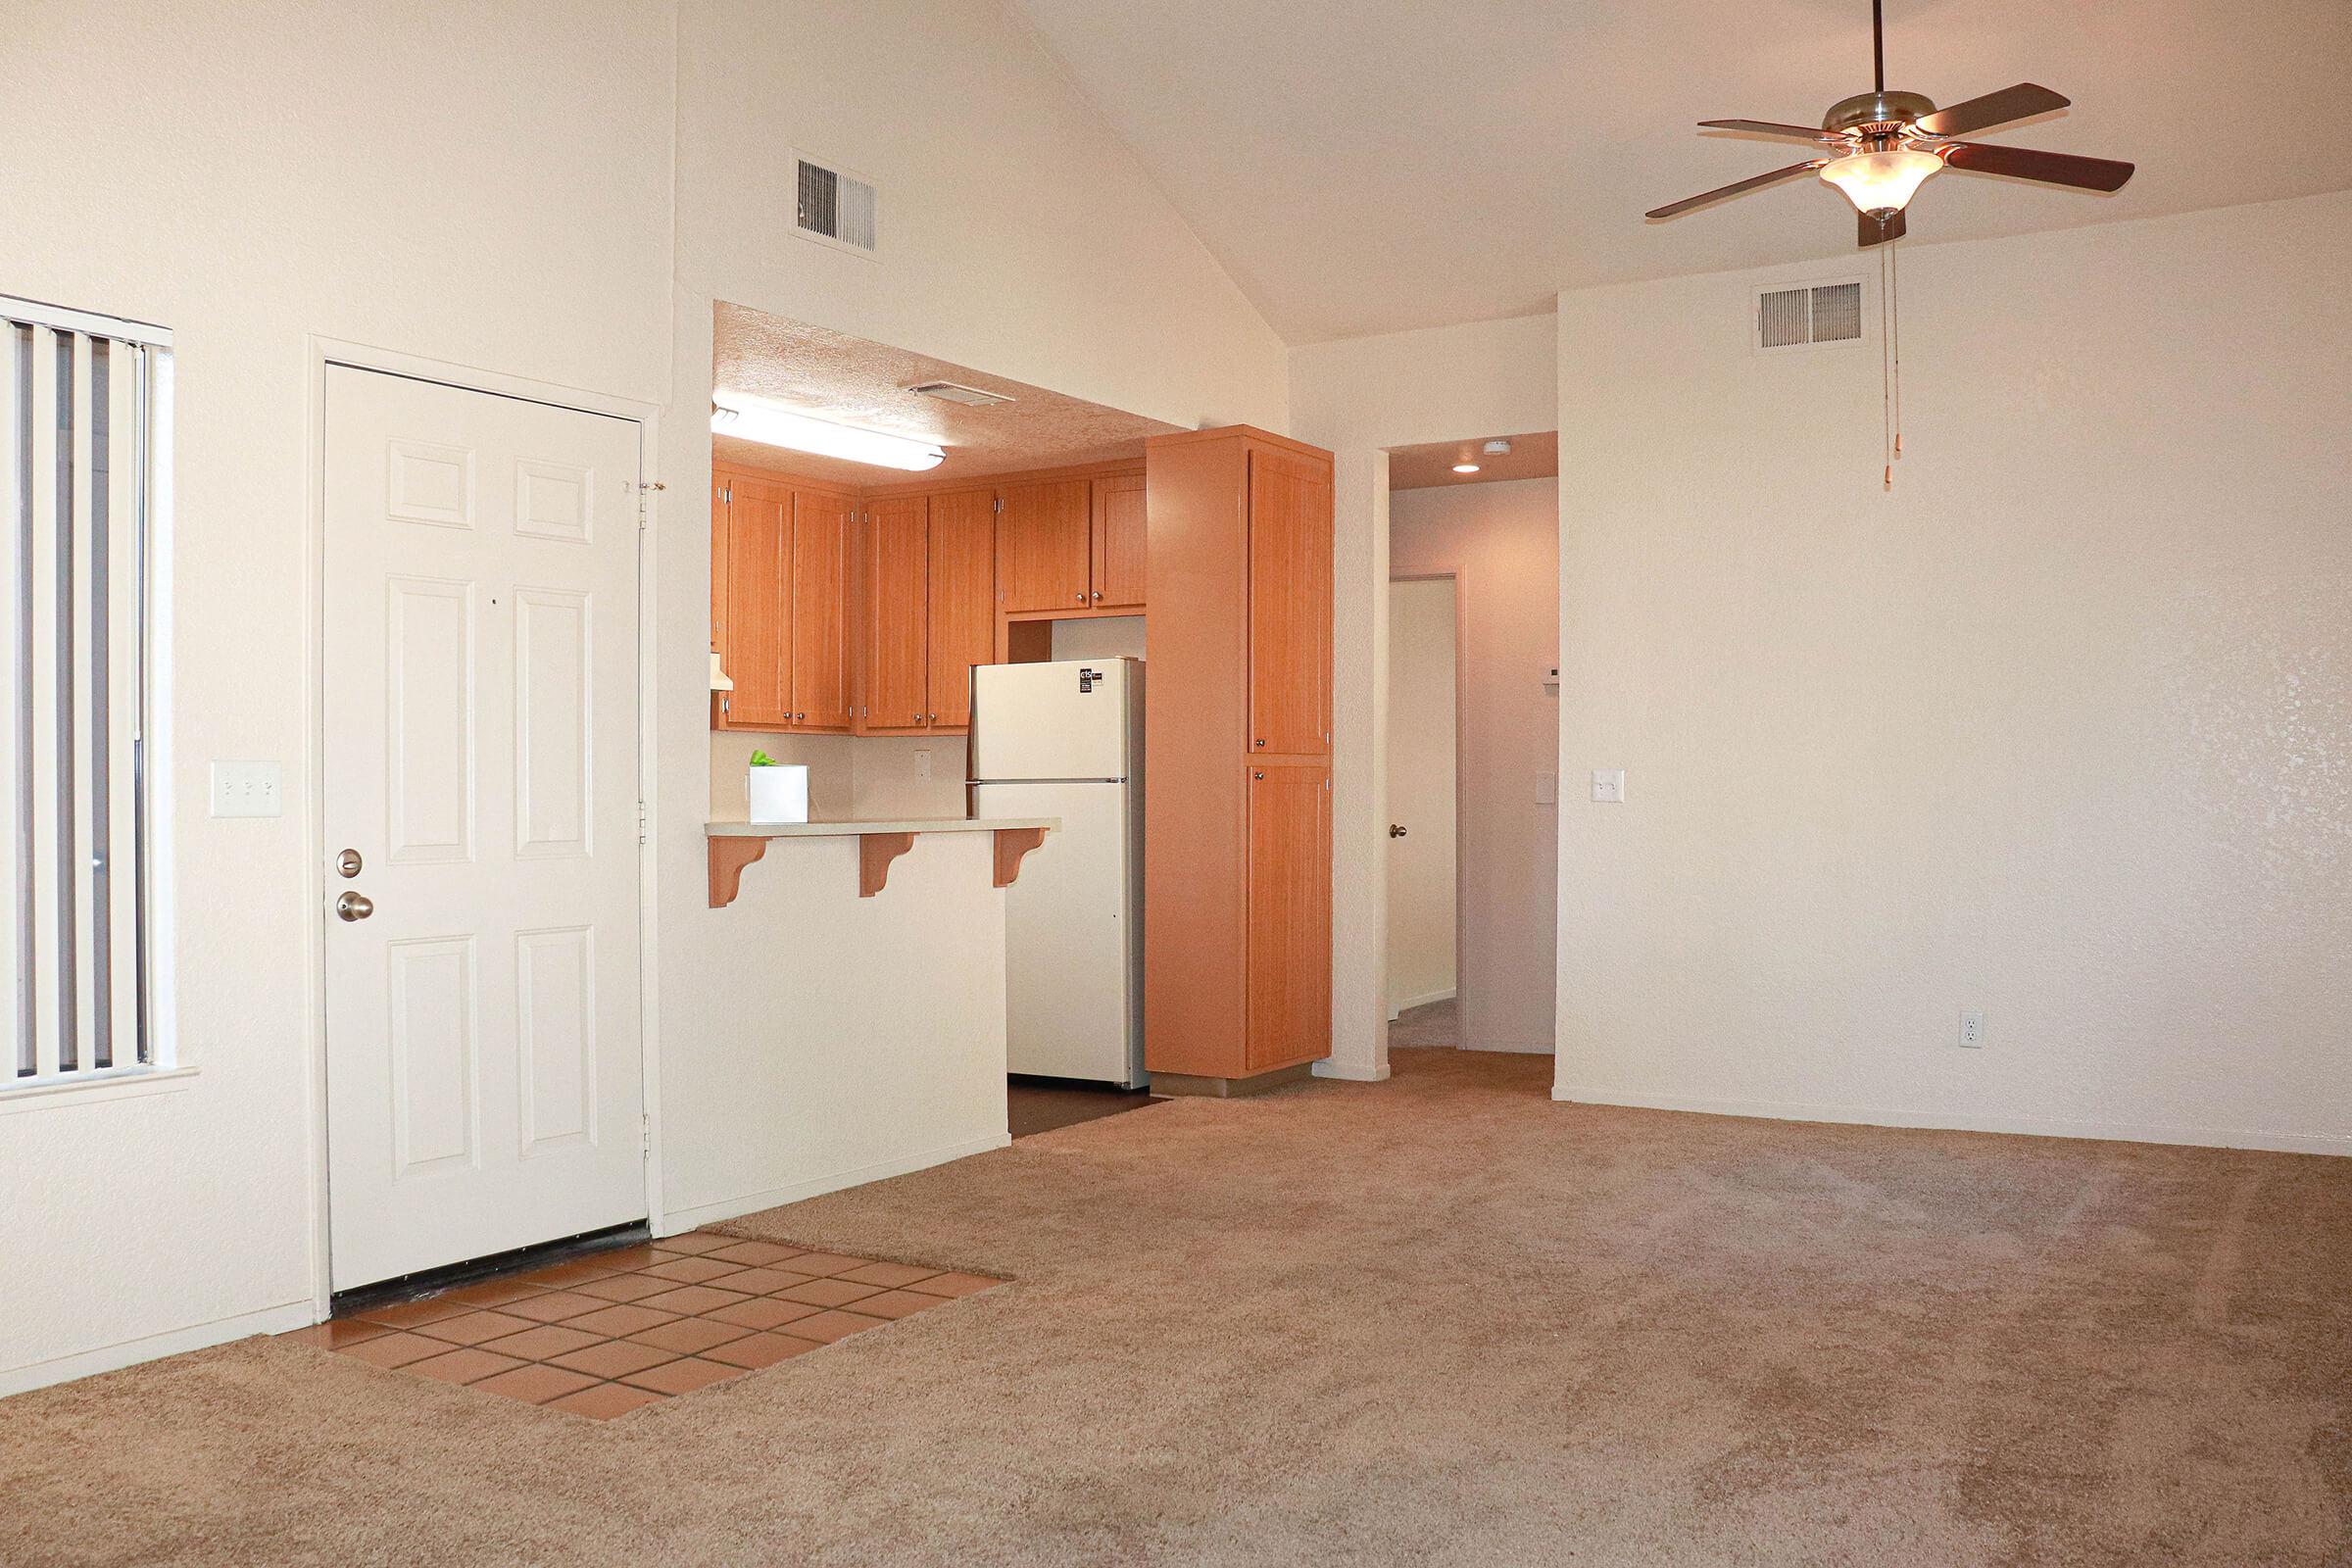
(1437, 1322)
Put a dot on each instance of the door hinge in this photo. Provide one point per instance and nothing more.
(996, 505)
(644, 1136)
(641, 821)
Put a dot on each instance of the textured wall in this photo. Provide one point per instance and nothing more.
(2057, 729)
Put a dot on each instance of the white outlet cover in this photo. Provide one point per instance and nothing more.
(248, 788)
(1972, 1030)
(1608, 784)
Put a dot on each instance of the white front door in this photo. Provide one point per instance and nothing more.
(484, 1064)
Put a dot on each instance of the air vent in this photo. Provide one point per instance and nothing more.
(1809, 315)
(836, 207)
(971, 397)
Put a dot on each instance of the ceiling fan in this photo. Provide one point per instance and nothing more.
(1879, 147)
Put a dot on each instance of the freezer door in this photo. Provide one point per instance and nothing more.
(1073, 971)
(1065, 719)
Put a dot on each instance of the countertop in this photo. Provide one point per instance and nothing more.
(851, 829)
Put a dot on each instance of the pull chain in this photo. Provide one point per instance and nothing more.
(1890, 364)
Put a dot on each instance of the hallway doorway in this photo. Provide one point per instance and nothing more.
(1423, 764)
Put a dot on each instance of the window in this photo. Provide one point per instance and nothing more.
(84, 423)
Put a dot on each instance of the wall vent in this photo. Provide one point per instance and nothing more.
(836, 207)
(971, 397)
(1809, 315)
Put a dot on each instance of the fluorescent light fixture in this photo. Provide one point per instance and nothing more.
(1881, 182)
(1465, 467)
(732, 413)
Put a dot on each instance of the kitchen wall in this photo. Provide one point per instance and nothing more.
(384, 175)
(2056, 729)
(1503, 542)
(1358, 398)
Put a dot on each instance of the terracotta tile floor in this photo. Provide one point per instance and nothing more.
(602, 1336)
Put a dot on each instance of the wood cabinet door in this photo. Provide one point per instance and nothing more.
(1288, 927)
(822, 526)
(962, 584)
(1119, 542)
(757, 653)
(1290, 606)
(896, 697)
(1045, 545)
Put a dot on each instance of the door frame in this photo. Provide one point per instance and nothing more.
(320, 352)
(1459, 576)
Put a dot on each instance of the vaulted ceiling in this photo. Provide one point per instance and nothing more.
(1369, 165)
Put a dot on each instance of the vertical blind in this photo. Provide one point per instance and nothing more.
(80, 399)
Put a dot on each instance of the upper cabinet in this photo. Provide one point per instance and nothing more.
(1044, 557)
(837, 611)
(1118, 542)
(1290, 604)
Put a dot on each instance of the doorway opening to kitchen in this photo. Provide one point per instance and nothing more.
(928, 610)
(1471, 768)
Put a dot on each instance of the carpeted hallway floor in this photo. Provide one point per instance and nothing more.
(1436, 1321)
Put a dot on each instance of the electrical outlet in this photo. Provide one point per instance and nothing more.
(247, 789)
(1972, 1030)
(922, 762)
(1608, 783)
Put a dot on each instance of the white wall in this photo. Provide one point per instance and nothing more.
(1421, 792)
(387, 175)
(1503, 542)
(2057, 729)
(251, 172)
(1358, 398)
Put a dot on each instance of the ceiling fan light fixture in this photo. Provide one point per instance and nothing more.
(1881, 182)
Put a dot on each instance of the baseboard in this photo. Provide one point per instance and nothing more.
(1527, 1048)
(685, 1219)
(1352, 1072)
(1953, 1121)
(1407, 1003)
(154, 1346)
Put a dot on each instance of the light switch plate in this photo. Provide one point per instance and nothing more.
(922, 762)
(247, 789)
(1608, 783)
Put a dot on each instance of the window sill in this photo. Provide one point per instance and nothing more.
(84, 1091)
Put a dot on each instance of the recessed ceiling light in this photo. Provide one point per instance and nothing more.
(733, 413)
(1465, 467)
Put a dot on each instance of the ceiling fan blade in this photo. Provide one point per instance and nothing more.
(1718, 195)
(2052, 169)
(1875, 230)
(1773, 128)
(2021, 102)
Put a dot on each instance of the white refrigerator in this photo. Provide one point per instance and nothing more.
(1067, 740)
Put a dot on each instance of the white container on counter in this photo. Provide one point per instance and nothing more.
(778, 793)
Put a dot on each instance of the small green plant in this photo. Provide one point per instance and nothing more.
(762, 759)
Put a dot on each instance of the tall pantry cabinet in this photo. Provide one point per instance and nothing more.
(1237, 879)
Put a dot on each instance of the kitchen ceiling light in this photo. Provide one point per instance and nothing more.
(753, 419)
(1465, 467)
(1498, 449)
(1881, 182)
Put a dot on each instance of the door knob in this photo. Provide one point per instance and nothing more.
(355, 907)
(1395, 831)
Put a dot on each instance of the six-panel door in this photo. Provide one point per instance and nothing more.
(484, 1072)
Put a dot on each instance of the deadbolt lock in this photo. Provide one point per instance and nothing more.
(348, 862)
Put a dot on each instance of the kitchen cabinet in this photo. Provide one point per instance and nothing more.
(962, 582)
(1044, 557)
(779, 579)
(1237, 843)
(897, 697)
(1118, 542)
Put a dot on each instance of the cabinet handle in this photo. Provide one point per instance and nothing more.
(934, 718)
(1257, 743)
(1082, 598)
(1257, 773)
(1097, 593)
